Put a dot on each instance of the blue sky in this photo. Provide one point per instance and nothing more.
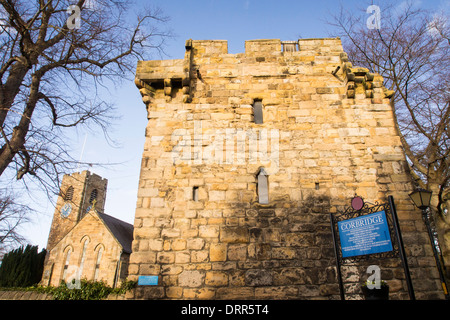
(232, 20)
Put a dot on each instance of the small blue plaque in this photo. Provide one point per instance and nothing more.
(148, 281)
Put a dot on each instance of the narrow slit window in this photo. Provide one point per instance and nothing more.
(257, 112)
(195, 193)
(317, 186)
(263, 187)
(83, 256)
(97, 264)
(66, 264)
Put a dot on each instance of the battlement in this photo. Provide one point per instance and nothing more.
(210, 58)
(207, 60)
(218, 49)
(264, 46)
(81, 176)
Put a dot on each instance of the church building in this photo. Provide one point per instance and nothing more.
(84, 242)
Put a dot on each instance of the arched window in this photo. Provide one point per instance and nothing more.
(97, 262)
(93, 196)
(69, 193)
(83, 254)
(66, 263)
(263, 186)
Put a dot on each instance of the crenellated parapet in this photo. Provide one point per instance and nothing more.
(208, 70)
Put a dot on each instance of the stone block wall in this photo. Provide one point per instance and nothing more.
(24, 295)
(327, 134)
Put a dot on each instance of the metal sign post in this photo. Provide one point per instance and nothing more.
(402, 249)
(338, 261)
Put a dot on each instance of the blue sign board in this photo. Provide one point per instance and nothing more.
(363, 235)
(148, 280)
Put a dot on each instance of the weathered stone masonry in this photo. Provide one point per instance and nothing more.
(330, 133)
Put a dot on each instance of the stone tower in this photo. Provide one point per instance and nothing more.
(79, 192)
(245, 157)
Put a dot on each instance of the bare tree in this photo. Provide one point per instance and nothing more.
(411, 50)
(12, 216)
(55, 56)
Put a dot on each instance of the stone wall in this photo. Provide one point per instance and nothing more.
(24, 295)
(328, 134)
(32, 295)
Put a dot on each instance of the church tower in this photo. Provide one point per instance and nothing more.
(78, 194)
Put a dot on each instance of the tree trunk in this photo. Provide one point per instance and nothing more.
(442, 223)
(11, 88)
(17, 141)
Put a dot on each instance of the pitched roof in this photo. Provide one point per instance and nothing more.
(121, 230)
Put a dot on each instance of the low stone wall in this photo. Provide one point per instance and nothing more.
(32, 295)
(24, 295)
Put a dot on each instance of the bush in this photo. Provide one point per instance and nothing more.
(89, 290)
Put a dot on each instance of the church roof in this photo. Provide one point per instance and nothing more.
(121, 230)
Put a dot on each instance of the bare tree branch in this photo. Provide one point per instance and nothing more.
(12, 216)
(49, 75)
(412, 52)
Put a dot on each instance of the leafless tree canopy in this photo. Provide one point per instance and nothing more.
(411, 50)
(12, 216)
(50, 74)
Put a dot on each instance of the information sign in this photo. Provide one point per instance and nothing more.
(367, 234)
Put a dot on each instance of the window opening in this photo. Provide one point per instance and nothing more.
(97, 264)
(257, 112)
(195, 193)
(263, 187)
(69, 194)
(83, 256)
(289, 46)
(66, 264)
(93, 196)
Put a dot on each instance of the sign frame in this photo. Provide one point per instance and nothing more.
(397, 251)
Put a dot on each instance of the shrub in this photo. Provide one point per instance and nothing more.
(89, 290)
